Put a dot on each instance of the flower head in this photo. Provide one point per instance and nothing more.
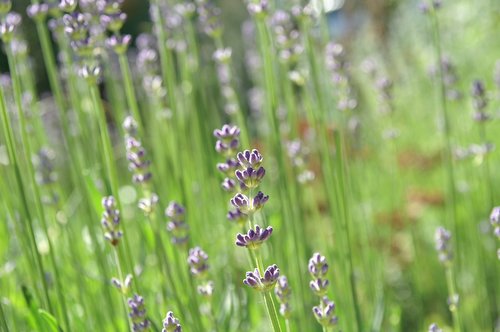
(325, 312)
(137, 313)
(317, 265)
(111, 220)
(283, 293)
(442, 238)
(249, 158)
(262, 283)
(171, 324)
(253, 239)
(198, 262)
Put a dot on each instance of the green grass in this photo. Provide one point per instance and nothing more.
(371, 209)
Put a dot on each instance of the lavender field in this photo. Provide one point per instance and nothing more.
(250, 165)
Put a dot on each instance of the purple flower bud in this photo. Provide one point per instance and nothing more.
(111, 220)
(171, 324)
(198, 262)
(283, 293)
(318, 266)
(68, 6)
(442, 238)
(319, 286)
(259, 200)
(250, 177)
(434, 328)
(206, 289)
(249, 158)
(175, 211)
(241, 202)
(38, 12)
(253, 239)
(113, 22)
(148, 205)
(227, 139)
(325, 313)
(76, 25)
(119, 44)
(254, 280)
(109, 6)
(229, 166)
(137, 313)
(237, 216)
(228, 185)
(9, 25)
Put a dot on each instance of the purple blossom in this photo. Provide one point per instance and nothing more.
(237, 216)
(250, 177)
(319, 286)
(111, 220)
(256, 281)
(442, 238)
(253, 239)
(198, 262)
(318, 266)
(137, 313)
(249, 158)
(171, 324)
(325, 312)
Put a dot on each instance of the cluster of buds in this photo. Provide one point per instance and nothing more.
(136, 154)
(249, 174)
(442, 238)
(122, 285)
(198, 266)
(147, 63)
(111, 220)
(9, 25)
(258, 8)
(112, 19)
(171, 324)
(427, 5)
(177, 225)
(288, 38)
(262, 283)
(298, 154)
(283, 292)
(222, 58)
(434, 328)
(228, 142)
(325, 311)
(339, 68)
(209, 20)
(495, 223)
(137, 313)
(449, 76)
(479, 101)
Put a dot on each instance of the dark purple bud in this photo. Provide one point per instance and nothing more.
(137, 313)
(325, 313)
(253, 239)
(198, 262)
(241, 202)
(237, 216)
(442, 238)
(259, 200)
(175, 211)
(119, 44)
(249, 158)
(266, 283)
(318, 266)
(228, 185)
(111, 220)
(171, 324)
(319, 286)
(38, 12)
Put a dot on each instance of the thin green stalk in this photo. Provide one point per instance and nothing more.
(14, 160)
(122, 291)
(16, 83)
(130, 92)
(452, 293)
(448, 154)
(271, 310)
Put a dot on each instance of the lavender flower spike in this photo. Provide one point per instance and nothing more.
(253, 239)
(442, 238)
(137, 313)
(318, 266)
(249, 158)
(198, 262)
(171, 324)
(495, 221)
(111, 220)
(283, 292)
(325, 312)
(319, 286)
(262, 284)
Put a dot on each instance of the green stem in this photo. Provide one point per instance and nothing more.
(130, 92)
(452, 293)
(271, 310)
(122, 291)
(5, 327)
